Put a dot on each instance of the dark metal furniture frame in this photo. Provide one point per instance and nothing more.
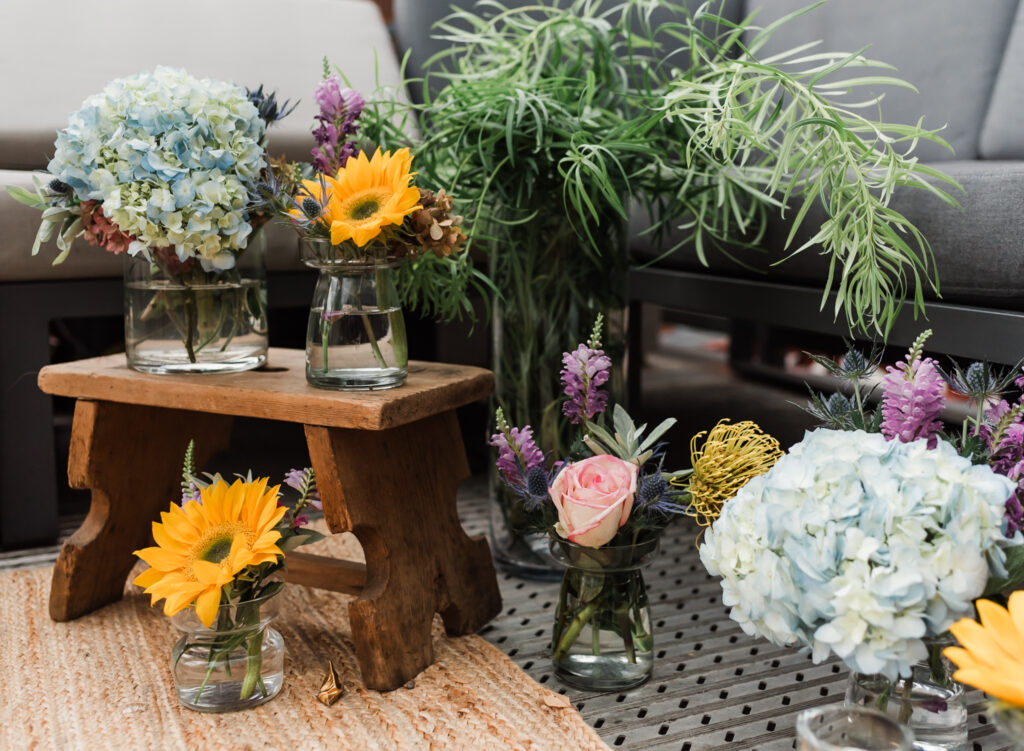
(28, 495)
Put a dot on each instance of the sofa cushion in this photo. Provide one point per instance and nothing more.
(977, 248)
(56, 53)
(1002, 136)
(414, 30)
(948, 49)
(20, 222)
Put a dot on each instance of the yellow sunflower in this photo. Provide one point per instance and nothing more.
(991, 655)
(370, 194)
(203, 546)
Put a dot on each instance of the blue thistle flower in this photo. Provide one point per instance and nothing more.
(311, 208)
(656, 495)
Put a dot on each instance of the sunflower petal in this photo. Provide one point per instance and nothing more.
(1016, 609)
(999, 625)
(158, 558)
(206, 606)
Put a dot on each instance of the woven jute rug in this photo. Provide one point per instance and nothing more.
(104, 681)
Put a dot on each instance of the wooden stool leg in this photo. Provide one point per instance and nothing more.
(130, 457)
(395, 489)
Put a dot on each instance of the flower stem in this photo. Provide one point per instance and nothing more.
(190, 324)
(572, 633)
(906, 700)
(253, 665)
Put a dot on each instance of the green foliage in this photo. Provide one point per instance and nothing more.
(555, 116)
(628, 442)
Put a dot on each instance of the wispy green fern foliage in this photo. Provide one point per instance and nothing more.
(792, 129)
(566, 113)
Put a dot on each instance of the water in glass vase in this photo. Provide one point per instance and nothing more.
(218, 327)
(219, 684)
(360, 352)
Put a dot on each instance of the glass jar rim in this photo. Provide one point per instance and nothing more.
(321, 253)
(608, 558)
(805, 718)
(186, 620)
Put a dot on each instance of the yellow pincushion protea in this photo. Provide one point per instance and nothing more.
(202, 546)
(730, 457)
(370, 194)
(991, 655)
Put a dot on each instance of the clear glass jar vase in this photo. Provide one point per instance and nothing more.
(356, 337)
(930, 702)
(1010, 722)
(841, 728)
(602, 639)
(553, 287)
(236, 663)
(182, 318)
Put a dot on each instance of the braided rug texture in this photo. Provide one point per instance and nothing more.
(104, 681)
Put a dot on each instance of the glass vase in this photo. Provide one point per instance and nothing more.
(1010, 722)
(356, 336)
(602, 638)
(182, 318)
(839, 728)
(554, 286)
(930, 702)
(236, 663)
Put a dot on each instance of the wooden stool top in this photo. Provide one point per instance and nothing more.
(276, 392)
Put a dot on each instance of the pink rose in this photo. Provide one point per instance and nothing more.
(593, 498)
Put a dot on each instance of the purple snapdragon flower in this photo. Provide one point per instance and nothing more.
(1006, 457)
(340, 108)
(587, 368)
(521, 463)
(517, 452)
(304, 481)
(912, 399)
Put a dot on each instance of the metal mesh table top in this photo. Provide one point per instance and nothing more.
(713, 686)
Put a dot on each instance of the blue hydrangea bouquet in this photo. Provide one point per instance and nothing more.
(879, 530)
(167, 169)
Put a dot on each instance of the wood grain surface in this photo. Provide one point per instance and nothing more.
(126, 455)
(276, 392)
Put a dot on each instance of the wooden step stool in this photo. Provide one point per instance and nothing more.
(388, 465)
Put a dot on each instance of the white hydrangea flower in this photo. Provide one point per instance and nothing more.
(861, 547)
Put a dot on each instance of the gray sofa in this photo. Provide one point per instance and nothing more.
(967, 61)
(55, 54)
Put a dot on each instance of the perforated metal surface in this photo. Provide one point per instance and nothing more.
(713, 686)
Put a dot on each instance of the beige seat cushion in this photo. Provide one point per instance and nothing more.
(56, 53)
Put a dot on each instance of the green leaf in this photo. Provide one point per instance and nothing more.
(26, 197)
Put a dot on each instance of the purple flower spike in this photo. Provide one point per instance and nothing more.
(586, 370)
(517, 452)
(912, 401)
(340, 108)
(1015, 511)
(302, 480)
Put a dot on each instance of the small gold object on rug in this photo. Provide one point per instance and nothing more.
(330, 690)
(472, 697)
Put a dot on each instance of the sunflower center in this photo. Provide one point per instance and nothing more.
(218, 550)
(215, 545)
(364, 205)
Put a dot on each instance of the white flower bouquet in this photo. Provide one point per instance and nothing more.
(859, 546)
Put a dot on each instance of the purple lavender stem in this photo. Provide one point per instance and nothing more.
(585, 371)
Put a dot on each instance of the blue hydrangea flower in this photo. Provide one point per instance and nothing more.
(172, 159)
(859, 546)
